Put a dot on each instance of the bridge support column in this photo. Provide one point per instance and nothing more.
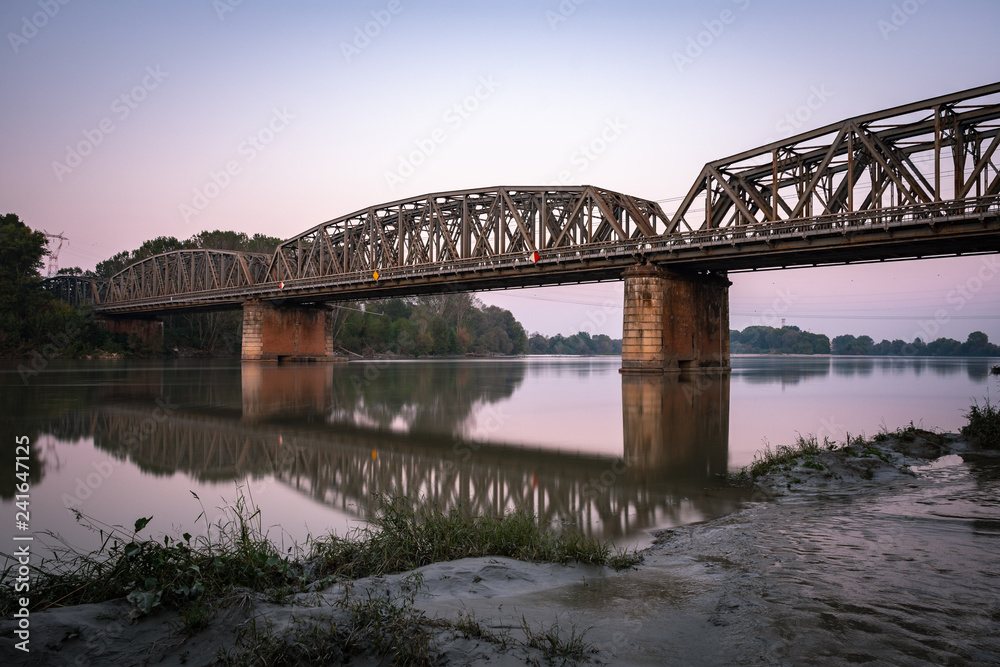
(674, 321)
(149, 332)
(273, 333)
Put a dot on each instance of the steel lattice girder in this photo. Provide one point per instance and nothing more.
(900, 156)
(466, 224)
(77, 290)
(186, 272)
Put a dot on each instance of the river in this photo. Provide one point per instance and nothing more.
(569, 439)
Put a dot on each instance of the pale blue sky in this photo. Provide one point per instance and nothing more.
(201, 76)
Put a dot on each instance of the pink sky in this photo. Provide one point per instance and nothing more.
(272, 117)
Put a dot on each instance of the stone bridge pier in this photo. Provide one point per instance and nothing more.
(292, 332)
(674, 321)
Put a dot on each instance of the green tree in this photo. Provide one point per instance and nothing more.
(21, 253)
(978, 345)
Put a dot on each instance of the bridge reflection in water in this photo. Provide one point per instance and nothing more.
(340, 434)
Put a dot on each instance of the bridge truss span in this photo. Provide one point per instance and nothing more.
(464, 225)
(186, 272)
(939, 150)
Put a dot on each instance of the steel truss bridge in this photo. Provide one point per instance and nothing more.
(915, 181)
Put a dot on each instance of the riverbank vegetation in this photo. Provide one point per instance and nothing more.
(190, 574)
(984, 424)
(236, 565)
(448, 324)
(792, 340)
(33, 322)
(982, 429)
(976, 345)
(581, 343)
(769, 340)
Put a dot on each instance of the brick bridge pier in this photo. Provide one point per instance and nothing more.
(674, 321)
(293, 332)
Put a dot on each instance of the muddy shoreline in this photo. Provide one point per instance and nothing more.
(882, 555)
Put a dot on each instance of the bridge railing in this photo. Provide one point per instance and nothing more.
(884, 218)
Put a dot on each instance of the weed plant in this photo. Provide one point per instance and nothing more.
(984, 424)
(400, 538)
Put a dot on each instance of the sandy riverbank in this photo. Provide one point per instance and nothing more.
(884, 555)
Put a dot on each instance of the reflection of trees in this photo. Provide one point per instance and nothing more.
(420, 397)
(848, 367)
(19, 401)
(783, 370)
(581, 368)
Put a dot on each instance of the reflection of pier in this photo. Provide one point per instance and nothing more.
(675, 434)
(274, 391)
(676, 426)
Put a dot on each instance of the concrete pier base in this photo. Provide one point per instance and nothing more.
(276, 333)
(674, 321)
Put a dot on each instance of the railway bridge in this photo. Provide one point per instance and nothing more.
(915, 181)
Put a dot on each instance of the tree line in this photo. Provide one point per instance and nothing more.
(976, 345)
(448, 324)
(581, 343)
(792, 340)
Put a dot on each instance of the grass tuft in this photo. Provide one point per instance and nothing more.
(984, 424)
(551, 642)
(400, 538)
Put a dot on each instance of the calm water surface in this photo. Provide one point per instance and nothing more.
(566, 438)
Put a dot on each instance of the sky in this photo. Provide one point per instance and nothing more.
(127, 120)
